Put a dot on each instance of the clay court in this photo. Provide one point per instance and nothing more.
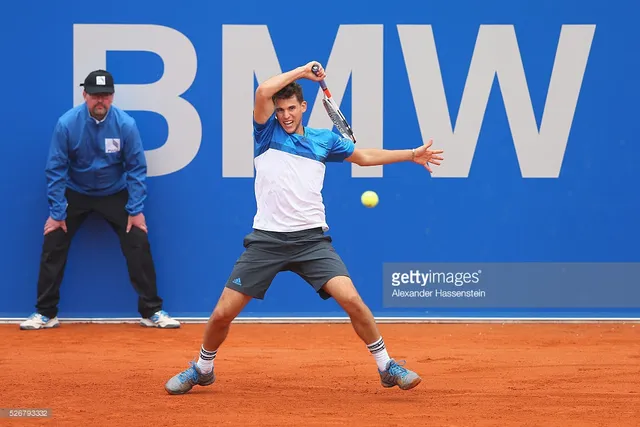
(321, 375)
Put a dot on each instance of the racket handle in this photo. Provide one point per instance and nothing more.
(315, 69)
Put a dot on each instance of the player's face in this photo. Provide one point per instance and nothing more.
(289, 114)
(98, 103)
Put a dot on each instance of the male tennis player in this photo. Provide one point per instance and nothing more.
(289, 226)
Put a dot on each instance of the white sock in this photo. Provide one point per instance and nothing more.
(205, 361)
(379, 351)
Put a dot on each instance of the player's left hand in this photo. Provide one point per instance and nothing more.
(423, 156)
(137, 221)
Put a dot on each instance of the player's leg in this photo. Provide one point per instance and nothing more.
(321, 266)
(251, 277)
(341, 288)
(229, 306)
(53, 261)
(392, 373)
(202, 373)
(137, 252)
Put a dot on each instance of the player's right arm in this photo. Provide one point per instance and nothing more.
(380, 156)
(56, 170)
(264, 106)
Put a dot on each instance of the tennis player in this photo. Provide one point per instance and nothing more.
(289, 228)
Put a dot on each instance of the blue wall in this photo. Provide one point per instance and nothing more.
(588, 213)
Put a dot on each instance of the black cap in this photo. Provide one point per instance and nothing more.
(99, 81)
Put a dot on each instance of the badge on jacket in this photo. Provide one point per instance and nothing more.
(111, 145)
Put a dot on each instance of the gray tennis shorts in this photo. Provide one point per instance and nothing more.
(308, 253)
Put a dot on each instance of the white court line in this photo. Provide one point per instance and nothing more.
(11, 320)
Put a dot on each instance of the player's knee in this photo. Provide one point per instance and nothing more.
(353, 304)
(222, 316)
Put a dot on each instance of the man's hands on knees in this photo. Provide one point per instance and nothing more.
(52, 225)
(137, 221)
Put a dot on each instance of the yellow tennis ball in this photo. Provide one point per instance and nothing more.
(369, 199)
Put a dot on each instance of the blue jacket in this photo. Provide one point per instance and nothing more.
(95, 159)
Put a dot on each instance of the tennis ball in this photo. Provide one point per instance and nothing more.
(369, 199)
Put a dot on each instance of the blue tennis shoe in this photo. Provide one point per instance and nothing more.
(187, 379)
(396, 374)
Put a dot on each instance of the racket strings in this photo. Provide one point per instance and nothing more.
(338, 120)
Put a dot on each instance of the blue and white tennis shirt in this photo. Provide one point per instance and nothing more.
(290, 175)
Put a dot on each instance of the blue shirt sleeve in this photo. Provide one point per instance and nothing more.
(135, 165)
(262, 134)
(56, 171)
(341, 148)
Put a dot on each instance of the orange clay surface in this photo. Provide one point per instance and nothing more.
(322, 375)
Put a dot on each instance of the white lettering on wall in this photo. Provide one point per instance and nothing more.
(540, 154)
(248, 55)
(91, 42)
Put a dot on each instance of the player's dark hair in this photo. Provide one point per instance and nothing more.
(292, 89)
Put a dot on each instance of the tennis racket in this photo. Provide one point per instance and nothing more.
(333, 110)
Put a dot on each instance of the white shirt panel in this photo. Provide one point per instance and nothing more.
(288, 191)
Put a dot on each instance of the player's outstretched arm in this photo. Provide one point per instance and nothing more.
(264, 106)
(379, 156)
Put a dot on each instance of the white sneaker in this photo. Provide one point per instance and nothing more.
(38, 321)
(160, 320)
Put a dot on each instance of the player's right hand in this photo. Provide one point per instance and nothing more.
(52, 225)
(309, 74)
